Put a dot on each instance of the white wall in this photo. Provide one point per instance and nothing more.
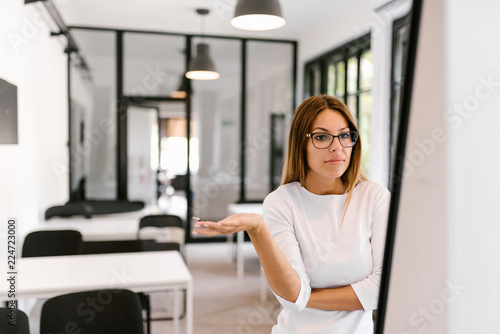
(473, 100)
(29, 58)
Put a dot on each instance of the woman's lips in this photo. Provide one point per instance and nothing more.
(335, 161)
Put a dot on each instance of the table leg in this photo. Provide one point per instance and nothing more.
(240, 238)
(189, 308)
(230, 244)
(176, 315)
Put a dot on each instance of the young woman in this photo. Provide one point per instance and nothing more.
(322, 235)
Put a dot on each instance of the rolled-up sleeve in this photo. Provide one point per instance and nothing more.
(278, 215)
(367, 289)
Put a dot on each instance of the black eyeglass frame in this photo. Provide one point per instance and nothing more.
(310, 135)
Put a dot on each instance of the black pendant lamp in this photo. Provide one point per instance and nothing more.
(258, 15)
(202, 67)
(181, 91)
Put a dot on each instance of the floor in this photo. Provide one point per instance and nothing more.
(223, 304)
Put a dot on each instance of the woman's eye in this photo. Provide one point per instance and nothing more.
(345, 135)
(320, 137)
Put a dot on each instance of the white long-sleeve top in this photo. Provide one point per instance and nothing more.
(307, 228)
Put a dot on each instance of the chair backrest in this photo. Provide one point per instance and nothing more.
(104, 207)
(172, 228)
(125, 246)
(13, 321)
(161, 221)
(52, 243)
(68, 210)
(98, 312)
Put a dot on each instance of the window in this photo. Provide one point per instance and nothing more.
(347, 74)
(174, 147)
(400, 37)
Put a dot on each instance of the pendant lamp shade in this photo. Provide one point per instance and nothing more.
(258, 15)
(181, 91)
(202, 67)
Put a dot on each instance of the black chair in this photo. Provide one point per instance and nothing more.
(52, 243)
(114, 311)
(13, 321)
(163, 228)
(68, 210)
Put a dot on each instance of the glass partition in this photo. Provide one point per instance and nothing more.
(215, 107)
(226, 159)
(173, 157)
(81, 104)
(154, 64)
(142, 153)
(269, 92)
(94, 117)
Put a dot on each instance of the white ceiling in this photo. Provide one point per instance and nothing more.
(180, 15)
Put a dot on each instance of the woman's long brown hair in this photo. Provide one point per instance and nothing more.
(295, 166)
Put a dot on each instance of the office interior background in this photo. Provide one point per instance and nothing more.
(445, 269)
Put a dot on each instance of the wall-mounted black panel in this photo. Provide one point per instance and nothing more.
(8, 113)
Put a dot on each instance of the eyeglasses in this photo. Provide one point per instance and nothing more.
(324, 140)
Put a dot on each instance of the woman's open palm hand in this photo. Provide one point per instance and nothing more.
(248, 222)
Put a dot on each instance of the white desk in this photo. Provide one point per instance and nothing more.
(240, 239)
(116, 226)
(46, 277)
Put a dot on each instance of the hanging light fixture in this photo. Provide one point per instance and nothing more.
(202, 67)
(258, 15)
(181, 91)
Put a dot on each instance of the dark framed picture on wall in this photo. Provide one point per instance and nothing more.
(8, 113)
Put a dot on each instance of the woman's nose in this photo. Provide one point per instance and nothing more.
(335, 146)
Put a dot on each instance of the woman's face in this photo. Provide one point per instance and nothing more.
(326, 165)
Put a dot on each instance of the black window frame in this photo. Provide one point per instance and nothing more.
(319, 67)
(396, 84)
